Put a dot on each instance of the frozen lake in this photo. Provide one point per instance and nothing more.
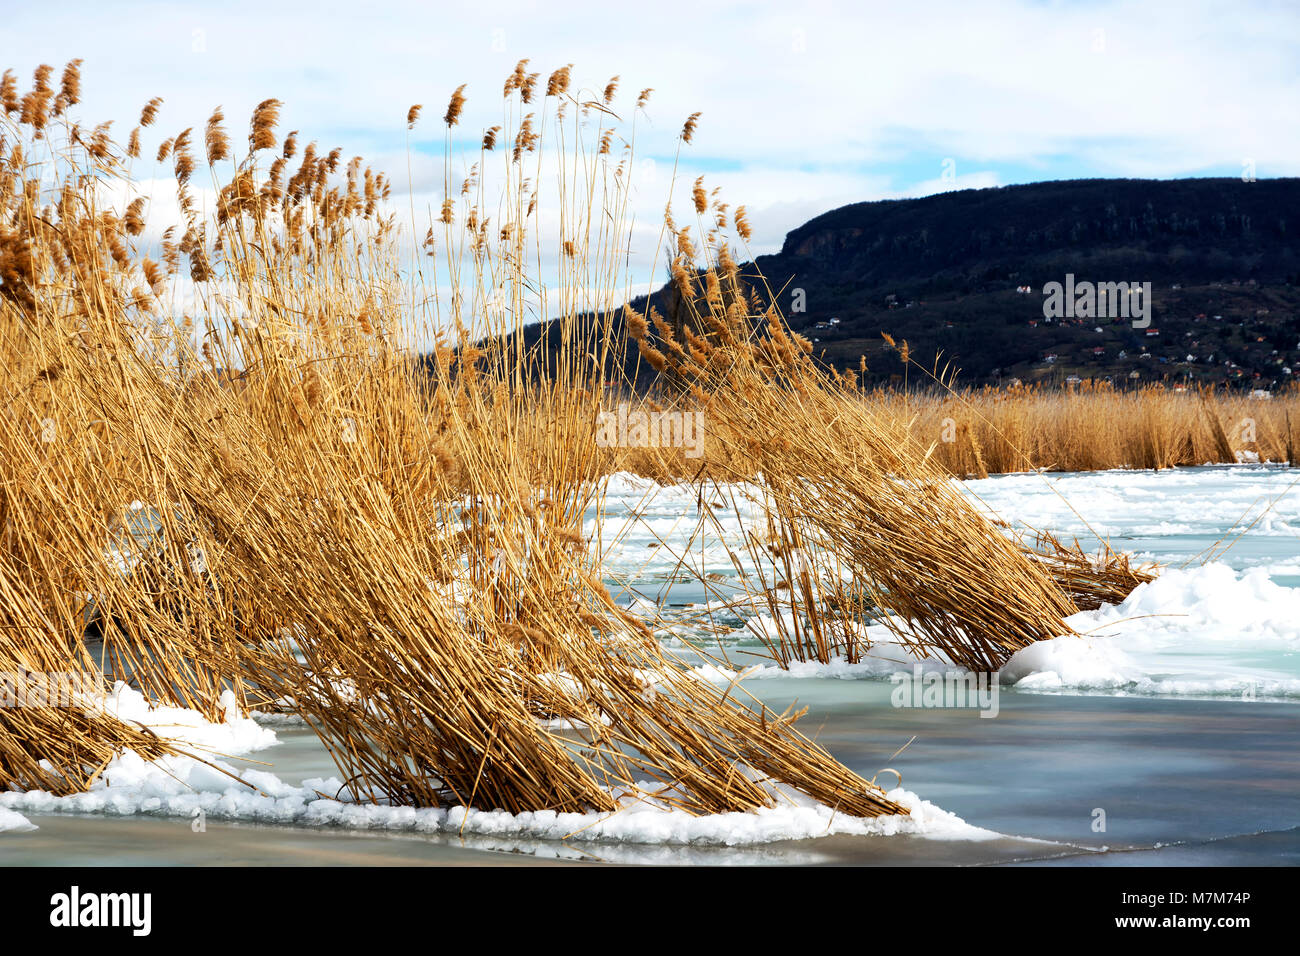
(1173, 721)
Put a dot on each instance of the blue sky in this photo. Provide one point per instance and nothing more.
(805, 106)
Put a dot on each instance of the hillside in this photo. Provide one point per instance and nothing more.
(942, 273)
(1223, 257)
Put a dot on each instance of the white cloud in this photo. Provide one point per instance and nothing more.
(803, 109)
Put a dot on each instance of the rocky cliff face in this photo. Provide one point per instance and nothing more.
(825, 245)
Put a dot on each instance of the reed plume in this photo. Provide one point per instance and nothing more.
(688, 129)
(215, 139)
(261, 133)
(455, 106)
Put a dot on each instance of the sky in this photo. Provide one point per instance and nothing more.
(805, 107)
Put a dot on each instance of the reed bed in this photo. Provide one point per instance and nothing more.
(1090, 427)
(53, 736)
(853, 484)
(1095, 426)
(261, 488)
(63, 750)
(269, 451)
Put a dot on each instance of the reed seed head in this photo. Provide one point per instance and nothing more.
(688, 130)
(454, 108)
(558, 82)
(261, 133)
(215, 138)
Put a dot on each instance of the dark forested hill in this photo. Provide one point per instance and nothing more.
(963, 274)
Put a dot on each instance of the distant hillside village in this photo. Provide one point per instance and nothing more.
(1199, 347)
(1244, 345)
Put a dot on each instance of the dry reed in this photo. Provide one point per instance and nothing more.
(266, 493)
